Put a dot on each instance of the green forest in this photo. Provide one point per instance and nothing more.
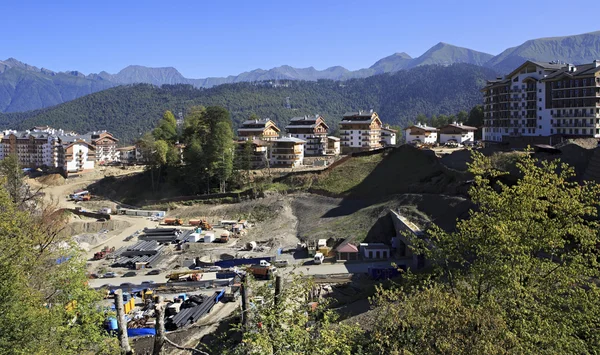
(131, 110)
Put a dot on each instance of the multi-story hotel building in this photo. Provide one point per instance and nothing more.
(543, 99)
(259, 156)
(313, 130)
(287, 152)
(57, 149)
(264, 129)
(360, 131)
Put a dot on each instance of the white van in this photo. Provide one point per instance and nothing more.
(319, 258)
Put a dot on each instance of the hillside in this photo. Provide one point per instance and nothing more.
(576, 49)
(129, 111)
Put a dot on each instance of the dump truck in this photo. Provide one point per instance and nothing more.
(103, 253)
(262, 272)
(173, 221)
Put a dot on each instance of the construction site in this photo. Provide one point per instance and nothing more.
(193, 255)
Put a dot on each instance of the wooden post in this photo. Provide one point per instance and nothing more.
(244, 290)
(122, 324)
(159, 314)
(278, 281)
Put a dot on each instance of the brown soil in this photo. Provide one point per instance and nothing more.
(51, 180)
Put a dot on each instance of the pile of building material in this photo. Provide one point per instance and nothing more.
(191, 310)
(142, 254)
(165, 235)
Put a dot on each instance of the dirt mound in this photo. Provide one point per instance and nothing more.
(91, 226)
(51, 180)
(585, 143)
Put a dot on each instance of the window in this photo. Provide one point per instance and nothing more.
(540, 99)
(540, 90)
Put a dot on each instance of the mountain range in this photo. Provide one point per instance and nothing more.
(130, 110)
(24, 87)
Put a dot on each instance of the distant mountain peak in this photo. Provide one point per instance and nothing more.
(14, 63)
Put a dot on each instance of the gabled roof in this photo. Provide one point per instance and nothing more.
(290, 140)
(460, 126)
(90, 146)
(580, 70)
(346, 248)
(423, 127)
(550, 66)
(262, 123)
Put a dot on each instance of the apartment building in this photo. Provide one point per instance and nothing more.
(79, 156)
(313, 130)
(259, 157)
(333, 146)
(421, 133)
(56, 149)
(573, 99)
(457, 133)
(263, 129)
(287, 152)
(33, 149)
(360, 131)
(388, 136)
(543, 100)
(106, 146)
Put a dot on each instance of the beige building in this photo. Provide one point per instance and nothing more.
(421, 133)
(260, 157)
(313, 130)
(287, 152)
(360, 131)
(263, 129)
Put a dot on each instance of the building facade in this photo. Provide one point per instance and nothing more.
(388, 136)
(313, 130)
(259, 151)
(45, 147)
(263, 129)
(287, 152)
(79, 156)
(543, 100)
(421, 133)
(457, 133)
(106, 146)
(360, 131)
(333, 146)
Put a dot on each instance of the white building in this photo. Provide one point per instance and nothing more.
(311, 129)
(457, 133)
(80, 156)
(388, 136)
(360, 131)
(287, 152)
(543, 99)
(421, 133)
(374, 251)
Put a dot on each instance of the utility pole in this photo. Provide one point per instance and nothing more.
(244, 289)
(122, 324)
(159, 314)
(278, 282)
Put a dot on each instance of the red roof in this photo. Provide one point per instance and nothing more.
(347, 248)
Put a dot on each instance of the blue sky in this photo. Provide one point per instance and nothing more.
(219, 38)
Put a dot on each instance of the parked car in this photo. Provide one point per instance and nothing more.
(126, 285)
(149, 282)
(109, 274)
(214, 268)
(281, 263)
(130, 274)
(153, 272)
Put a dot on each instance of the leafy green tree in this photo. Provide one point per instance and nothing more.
(20, 193)
(167, 128)
(288, 325)
(45, 306)
(462, 116)
(524, 265)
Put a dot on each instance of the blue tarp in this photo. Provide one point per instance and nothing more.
(138, 332)
(219, 296)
